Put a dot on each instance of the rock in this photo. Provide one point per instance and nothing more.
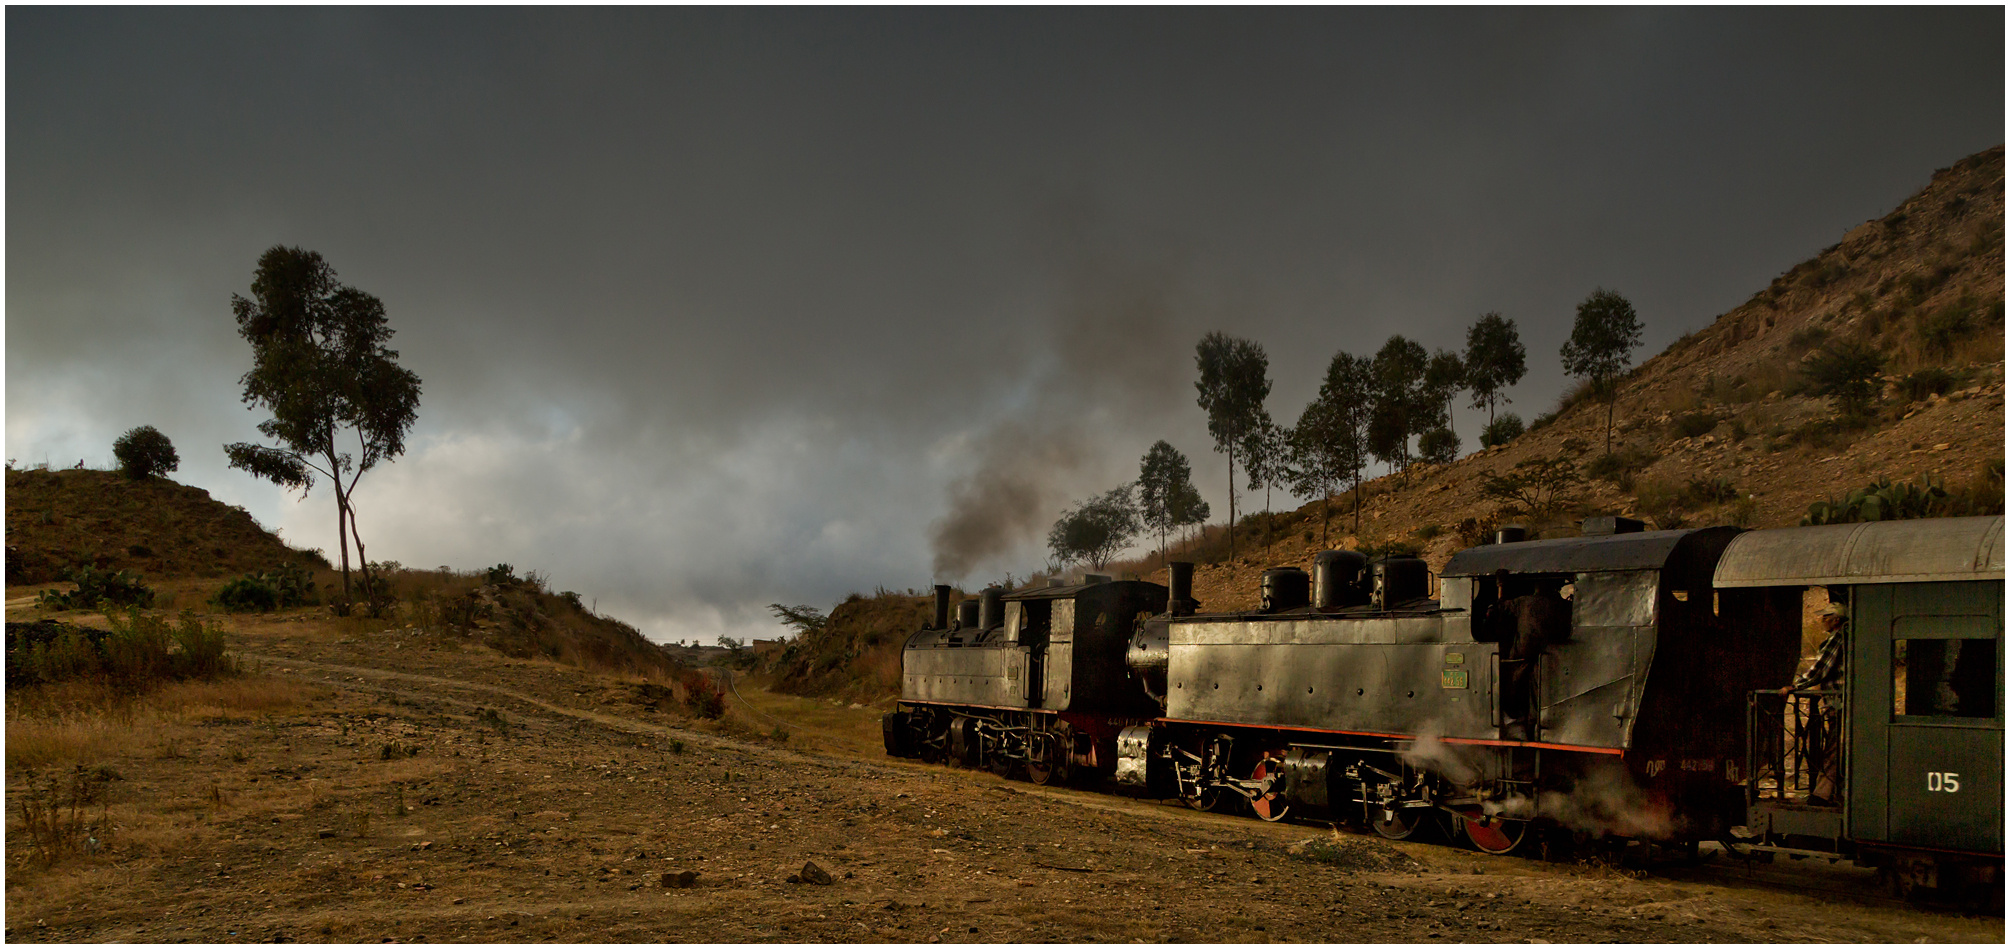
(680, 881)
(813, 874)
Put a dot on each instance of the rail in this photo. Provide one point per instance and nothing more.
(1792, 738)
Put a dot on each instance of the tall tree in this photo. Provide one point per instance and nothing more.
(1096, 529)
(1267, 448)
(1601, 347)
(1189, 508)
(321, 367)
(1403, 406)
(1234, 381)
(1329, 443)
(1495, 359)
(1162, 473)
(1444, 376)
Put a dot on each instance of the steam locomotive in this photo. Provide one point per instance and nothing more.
(1658, 709)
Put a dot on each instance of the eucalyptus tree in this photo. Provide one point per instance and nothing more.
(1234, 381)
(1601, 347)
(321, 367)
(1495, 359)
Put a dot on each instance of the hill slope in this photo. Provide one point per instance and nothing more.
(1722, 409)
(57, 520)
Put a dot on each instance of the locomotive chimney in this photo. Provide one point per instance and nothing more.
(1179, 588)
(966, 614)
(991, 614)
(1511, 534)
(941, 606)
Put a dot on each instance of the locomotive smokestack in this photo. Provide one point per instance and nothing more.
(1179, 588)
(991, 614)
(1511, 534)
(941, 606)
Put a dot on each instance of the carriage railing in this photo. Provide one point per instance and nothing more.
(1789, 738)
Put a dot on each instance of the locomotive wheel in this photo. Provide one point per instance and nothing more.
(1399, 827)
(1498, 836)
(1206, 799)
(1039, 771)
(1269, 806)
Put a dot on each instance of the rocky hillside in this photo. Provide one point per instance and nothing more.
(1717, 429)
(59, 520)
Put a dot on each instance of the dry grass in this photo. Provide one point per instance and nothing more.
(84, 723)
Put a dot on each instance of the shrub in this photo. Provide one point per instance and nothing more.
(96, 587)
(1710, 490)
(145, 452)
(1474, 531)
(1501, 430)
(139, 651)
(501, 575)
(1882, 500)
(1847, 372)
(1438, 446)
(246, 594)
(1694, 424)
(702, 695)
(1541, 420)
(1926, 382)
(282, 588)
(1944, 328)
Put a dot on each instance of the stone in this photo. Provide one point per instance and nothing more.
(813, 874)
(680, 881)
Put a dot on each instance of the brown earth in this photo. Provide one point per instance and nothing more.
(363, 784)
(57, 520)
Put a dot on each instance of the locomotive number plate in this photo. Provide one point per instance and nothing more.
(1455, 678)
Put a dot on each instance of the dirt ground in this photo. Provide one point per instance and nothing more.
(391, 785)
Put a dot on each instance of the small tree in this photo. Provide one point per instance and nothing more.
(1403, 405)
(1601, 347)
(1444, 376)
(1268, 452)
(1846, 371)
(1189, 509)
(1537, 487)
(1234, 381)
(321, 367)
(1502, 430)
(145, 453)
(802, 619)
(1162, 474)
(1438, 446)
(1495, 359)
(1096, 529)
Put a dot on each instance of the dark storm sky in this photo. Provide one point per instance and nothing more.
(716, 308)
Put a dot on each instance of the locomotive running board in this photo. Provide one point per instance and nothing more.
(1549, 746)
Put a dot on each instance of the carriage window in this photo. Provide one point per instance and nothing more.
(1944, 677)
